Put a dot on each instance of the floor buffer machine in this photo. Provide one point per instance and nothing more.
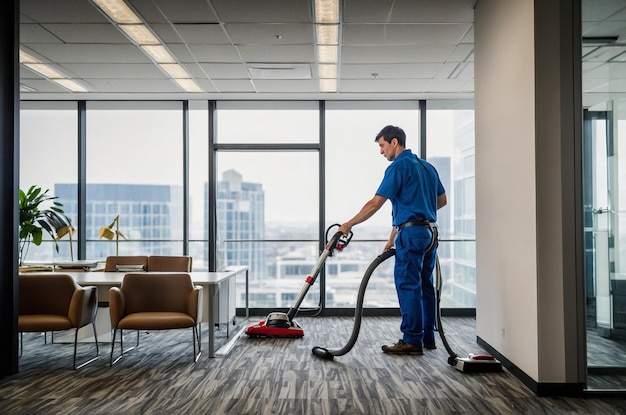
(279, 324)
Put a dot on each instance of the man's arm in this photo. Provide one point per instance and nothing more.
(442, 200)
(366, 212)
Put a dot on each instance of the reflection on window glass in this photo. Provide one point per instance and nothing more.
(135, 170)
(48, 157)
(450, 148)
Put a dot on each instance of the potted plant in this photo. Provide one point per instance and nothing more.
(36, 218)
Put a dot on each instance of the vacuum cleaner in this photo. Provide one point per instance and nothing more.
(279, 324)
(472, 364)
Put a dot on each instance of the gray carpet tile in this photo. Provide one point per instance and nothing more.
(275, 376)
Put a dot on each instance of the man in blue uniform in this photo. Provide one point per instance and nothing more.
(416, 193)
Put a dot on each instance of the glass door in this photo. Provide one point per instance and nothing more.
(605, 289)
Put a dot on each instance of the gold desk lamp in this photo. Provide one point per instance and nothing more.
(107, 232)
(66, 230)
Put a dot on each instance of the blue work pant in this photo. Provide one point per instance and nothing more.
(413, 275)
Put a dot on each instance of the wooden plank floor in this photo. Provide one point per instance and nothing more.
(276, 376)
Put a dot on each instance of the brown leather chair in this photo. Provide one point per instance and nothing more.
(134, 260)
(155, 301)
(54, 301)
(162, 263)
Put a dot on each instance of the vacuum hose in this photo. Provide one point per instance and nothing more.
(358, 312)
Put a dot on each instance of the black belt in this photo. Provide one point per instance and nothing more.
(434, 241)
(413, 223)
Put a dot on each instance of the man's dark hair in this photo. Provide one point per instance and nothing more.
(390, 132)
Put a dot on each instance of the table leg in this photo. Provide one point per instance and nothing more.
(212, 288)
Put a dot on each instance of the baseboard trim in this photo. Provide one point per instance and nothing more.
(538, 388)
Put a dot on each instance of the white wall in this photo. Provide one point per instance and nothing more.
(506, 257)
(528, 186)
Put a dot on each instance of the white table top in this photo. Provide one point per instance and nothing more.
(115, 278)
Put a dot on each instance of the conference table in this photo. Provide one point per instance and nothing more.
(211, 282)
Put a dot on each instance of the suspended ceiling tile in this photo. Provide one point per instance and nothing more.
(395, 54)
(408, 11)
(212, 34)
(187, 11)
(115, 71)
(214, 53)
(266, 11)
(403, 34)
(43, 85)
(461, 53)
(271, 33)
(279, 53)
(397, 71)
(134, 85)
(35, 33)
(87, 33)
(61, 11)
(91, 53)
(225, 70)
(206, 85)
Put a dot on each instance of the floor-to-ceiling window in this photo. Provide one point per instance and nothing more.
(48, 157)
(450, 148)
(135, 170)
(267, 203)
(354, 170)
(283, 172)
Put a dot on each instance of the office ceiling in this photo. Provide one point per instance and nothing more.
(389, 49)
(265, 49)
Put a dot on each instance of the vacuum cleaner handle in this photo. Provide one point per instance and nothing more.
(338, 241)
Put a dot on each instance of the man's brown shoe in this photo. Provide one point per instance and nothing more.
(403, 348)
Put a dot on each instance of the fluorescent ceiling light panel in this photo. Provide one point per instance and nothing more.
(327, 54)
(327, 70)
(174, 70)
(71, 85)
(45, 70)
(327, 34)
(140, 34)
(326, 11)
(26, 58)
(188, 85)
(328, 85)
(118, 11)
(159, 54)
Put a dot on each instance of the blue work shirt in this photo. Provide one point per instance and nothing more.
(412, 185)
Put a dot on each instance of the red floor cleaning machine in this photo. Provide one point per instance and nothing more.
(279, 324)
